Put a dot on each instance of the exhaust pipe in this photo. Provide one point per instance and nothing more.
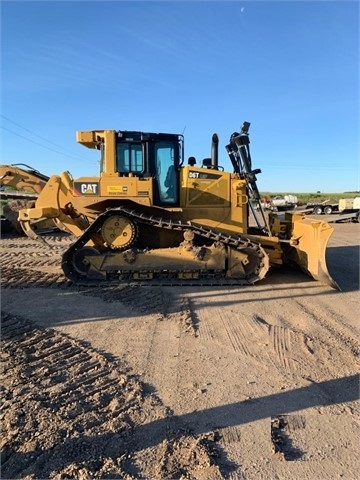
(215, 151)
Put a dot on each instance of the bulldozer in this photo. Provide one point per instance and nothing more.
(150, 217)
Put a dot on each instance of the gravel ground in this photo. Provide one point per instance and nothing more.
(257, 382)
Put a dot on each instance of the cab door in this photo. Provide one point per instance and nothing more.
(166, 188)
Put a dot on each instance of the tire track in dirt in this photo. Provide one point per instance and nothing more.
(70, 411)
(48, 242)
(280, 338)
(28, 263)
(24, 277)
(218, 329)
(281, 341)
(302, 353)
(269, 338)
(248, 335)
(332, 325)
(164, 355)
(162, 364)
(237, 335)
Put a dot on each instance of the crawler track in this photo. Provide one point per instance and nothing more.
(255, 270)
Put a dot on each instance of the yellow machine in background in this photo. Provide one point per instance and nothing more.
(20, 187)
(149, 216)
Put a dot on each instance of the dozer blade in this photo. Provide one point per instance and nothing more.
(308, 248)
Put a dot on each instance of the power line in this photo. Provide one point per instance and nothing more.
(39, 144)
(73, 155)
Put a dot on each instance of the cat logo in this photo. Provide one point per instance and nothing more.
(86, 188)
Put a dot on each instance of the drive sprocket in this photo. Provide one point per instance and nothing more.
(118, 232)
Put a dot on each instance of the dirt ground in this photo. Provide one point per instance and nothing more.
(257, 382)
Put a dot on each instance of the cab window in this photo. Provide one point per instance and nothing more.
(129, 158)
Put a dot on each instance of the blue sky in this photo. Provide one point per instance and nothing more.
(291, 68)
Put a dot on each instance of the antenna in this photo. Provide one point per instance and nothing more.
(183, 130)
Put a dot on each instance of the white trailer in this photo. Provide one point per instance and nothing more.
(349, 209)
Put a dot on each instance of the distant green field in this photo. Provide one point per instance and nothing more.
(302, 197)
(314, 197)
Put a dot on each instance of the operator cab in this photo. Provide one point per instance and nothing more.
(155, 155)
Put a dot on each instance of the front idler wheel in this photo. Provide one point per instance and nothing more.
(79, 261)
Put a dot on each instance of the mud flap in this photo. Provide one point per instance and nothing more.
(308, 248)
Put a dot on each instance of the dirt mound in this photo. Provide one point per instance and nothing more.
(70, 411)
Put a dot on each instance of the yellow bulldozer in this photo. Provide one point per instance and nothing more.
(20, 186)
(152, 217)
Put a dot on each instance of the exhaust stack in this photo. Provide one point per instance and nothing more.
(215, 151)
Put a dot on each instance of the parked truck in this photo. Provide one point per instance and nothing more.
(283, 203)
